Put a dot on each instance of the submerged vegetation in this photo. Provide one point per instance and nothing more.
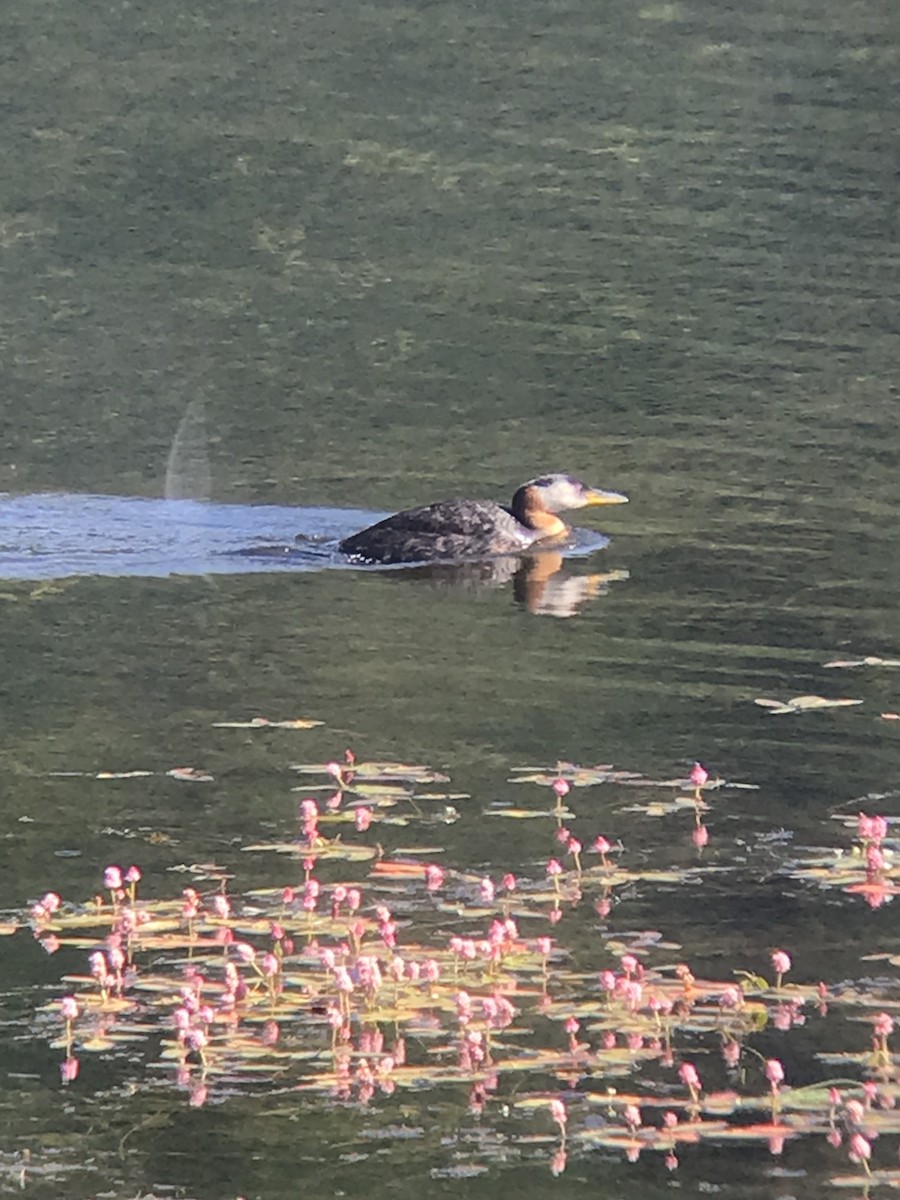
(364, 971)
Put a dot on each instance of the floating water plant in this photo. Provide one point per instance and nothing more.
(367, 973)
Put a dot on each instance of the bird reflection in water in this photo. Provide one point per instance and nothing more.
(540, 582)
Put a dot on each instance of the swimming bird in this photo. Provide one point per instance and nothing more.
(459, 529)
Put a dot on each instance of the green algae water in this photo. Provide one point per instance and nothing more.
(402, 253)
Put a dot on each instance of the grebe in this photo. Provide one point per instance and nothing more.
(455, 529)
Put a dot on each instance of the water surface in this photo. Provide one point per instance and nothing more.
(404, 252)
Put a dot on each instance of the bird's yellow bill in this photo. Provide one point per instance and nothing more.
(597, 497)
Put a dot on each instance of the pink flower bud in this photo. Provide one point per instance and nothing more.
(699, 775)
(689, 1077)
(68, 1008)
(774, 1072)
(112, 879)
(434, 877)
(884, 1025)
(781, 962)
(558, 1113)
(859, 1149)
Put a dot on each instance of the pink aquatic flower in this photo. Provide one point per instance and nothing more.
(700, 836)
(197, 1040)
(561, 788)
(859, 1149)
(774, 1072)
(363, 819)
(781, 964)
(68, 1008)
(632, 1115)
(343, 980)
(689, 1077)
(699, 775)
(486, 890)
(558, 1114)
(133, 874)
(509, 882)
(854, 1112)
(434, 877)
(112, 879)
(181, 1019)
(883, 1025)
(553, 868)
(871, 829)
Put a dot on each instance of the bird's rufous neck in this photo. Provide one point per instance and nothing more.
(528, 507)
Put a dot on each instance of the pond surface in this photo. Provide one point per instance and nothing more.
(404, 252)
